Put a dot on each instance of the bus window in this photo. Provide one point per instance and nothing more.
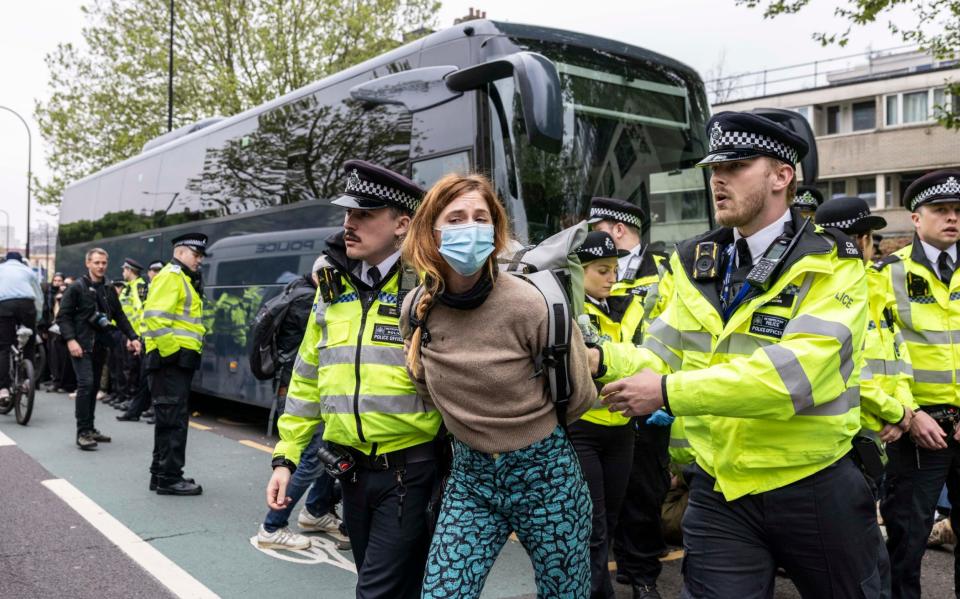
(429, 171)
(274, 270)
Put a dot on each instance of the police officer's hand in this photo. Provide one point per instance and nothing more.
(637, 395)
(133, 346)
(593, 358)
(926, 433)
(74, 348)
(904, 424)
(956, 432)
(277, 489)
(890, 433)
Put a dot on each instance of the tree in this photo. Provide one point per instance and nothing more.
(108, 97)
(937, 30)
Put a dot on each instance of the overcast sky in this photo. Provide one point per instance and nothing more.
(695, 32)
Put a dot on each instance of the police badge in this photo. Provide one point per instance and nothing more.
(715, 134)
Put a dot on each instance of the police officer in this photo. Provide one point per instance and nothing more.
(173, 331)
(758, 350)
(923, 296)
(351, 375)
(643, 273)
(154, 269)
(807, 201)
(132, 296)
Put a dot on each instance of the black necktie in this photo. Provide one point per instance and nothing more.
(943, 267)
(744, 259)
(374, 274)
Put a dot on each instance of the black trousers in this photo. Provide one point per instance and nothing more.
(117, 363)
(915, 477)
(66, 377)
(88, 369)
(822, 530)
(389, 533)
(170, 389)
(13, 313)
(638, 541)
(606, 455)
(140, 401)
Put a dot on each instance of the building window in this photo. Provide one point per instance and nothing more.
(915, 107)
(833, 120)
(837, 189)
(804, 111)
(867, 190)
(888, 191)
(893, 110)
(864, 115)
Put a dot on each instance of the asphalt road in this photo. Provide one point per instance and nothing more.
(83, 524)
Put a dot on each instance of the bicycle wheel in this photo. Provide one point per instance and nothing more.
(25, 392)
(6, 406)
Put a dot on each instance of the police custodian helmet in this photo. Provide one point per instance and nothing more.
(370, 186)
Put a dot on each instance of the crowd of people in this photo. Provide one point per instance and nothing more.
(753, 394)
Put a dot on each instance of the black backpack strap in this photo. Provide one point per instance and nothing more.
(555, 356)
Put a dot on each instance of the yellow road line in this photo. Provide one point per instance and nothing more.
(256, 445)
(200, 427)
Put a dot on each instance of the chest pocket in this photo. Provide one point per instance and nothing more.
(336, 333)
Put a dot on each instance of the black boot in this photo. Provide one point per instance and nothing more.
(154, 482)
(181, 487)
(645, 591)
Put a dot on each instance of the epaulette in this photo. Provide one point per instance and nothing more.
(887, 260)
(323, 262)
(174, 268)
(846, 247)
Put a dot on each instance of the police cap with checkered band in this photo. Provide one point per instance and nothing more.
(808, 198)
(616, 210)
(742, 135)
(937, 187)
(597, 245)
(370, 186)
(849, 214)
(195, 241)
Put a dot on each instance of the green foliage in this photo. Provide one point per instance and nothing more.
(936, 28)
(109, 96)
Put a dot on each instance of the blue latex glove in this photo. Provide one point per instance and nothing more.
(660, 418)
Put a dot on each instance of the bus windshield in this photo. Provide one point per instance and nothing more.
(633, 129)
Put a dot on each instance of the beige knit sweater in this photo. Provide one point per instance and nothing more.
(479, 368)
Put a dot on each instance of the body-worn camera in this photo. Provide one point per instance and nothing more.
(335, 464)
(706, 260)
(99, 321)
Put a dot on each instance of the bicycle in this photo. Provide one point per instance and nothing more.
(22, 377)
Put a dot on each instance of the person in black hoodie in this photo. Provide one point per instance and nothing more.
(84, 318)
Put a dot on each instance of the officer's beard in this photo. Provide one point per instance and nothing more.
(745, 210)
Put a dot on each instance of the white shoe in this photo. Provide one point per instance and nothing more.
(282, 538)
(327, 523)
(72, 395)
(100, 395)
(941, 534)
(4, 394)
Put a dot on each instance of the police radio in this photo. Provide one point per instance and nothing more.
(768, 268)
(706, 261)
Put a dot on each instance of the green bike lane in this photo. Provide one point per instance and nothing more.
(209, 536)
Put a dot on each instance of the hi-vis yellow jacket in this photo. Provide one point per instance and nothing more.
(622, 324)
(887, 374)
(172, 313)
(131, 301)
(650, 281)
(927, 312)
(350, 373)
(772, 395)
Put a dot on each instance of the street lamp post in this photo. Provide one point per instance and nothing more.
(170, 75)
(29, 173)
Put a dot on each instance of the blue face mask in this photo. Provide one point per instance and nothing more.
(466, 247)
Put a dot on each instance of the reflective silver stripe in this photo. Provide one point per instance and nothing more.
(792, 375)
(898, 275)
(301, 407)
(665, 333)
(930, 337)
(802, 293)
(188, 297)
(844, 402)
(305, 369)
(679, 443)
(933, 376)
(866, 373)
(369, 354)
(887, 367)
(663, 352)
(805, 323)
(744, 345)
(168, 331)
(382, 404)
(172, 316)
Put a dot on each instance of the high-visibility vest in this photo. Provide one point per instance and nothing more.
(131, 301)
(172, 313)
(887, 372)
(772, 395)
(680, 450)
(351, 373)
(651, 283)
(927, 311)
(623, 330)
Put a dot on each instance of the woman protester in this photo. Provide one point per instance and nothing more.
(603, 438)
(473, 339)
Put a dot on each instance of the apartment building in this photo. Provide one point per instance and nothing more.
(875, 126)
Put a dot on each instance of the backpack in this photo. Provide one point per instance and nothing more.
(264, 356)
(553, 268)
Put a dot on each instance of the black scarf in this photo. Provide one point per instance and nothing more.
(470, 299)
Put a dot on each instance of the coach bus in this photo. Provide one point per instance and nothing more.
(553, 117)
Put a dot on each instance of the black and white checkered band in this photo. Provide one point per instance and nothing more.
(721, 141)
(846, 223)
(375, 191)
(617, 215)
(194, 243)
(596, 251)
(947, 189)
(805, 199)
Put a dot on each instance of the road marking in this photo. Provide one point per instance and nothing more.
(200, 427)
(256, 445)
(143, 553)
(5, 440)
(321, 551)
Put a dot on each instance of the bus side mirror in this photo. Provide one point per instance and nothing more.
(539, 85)
(415, 90)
